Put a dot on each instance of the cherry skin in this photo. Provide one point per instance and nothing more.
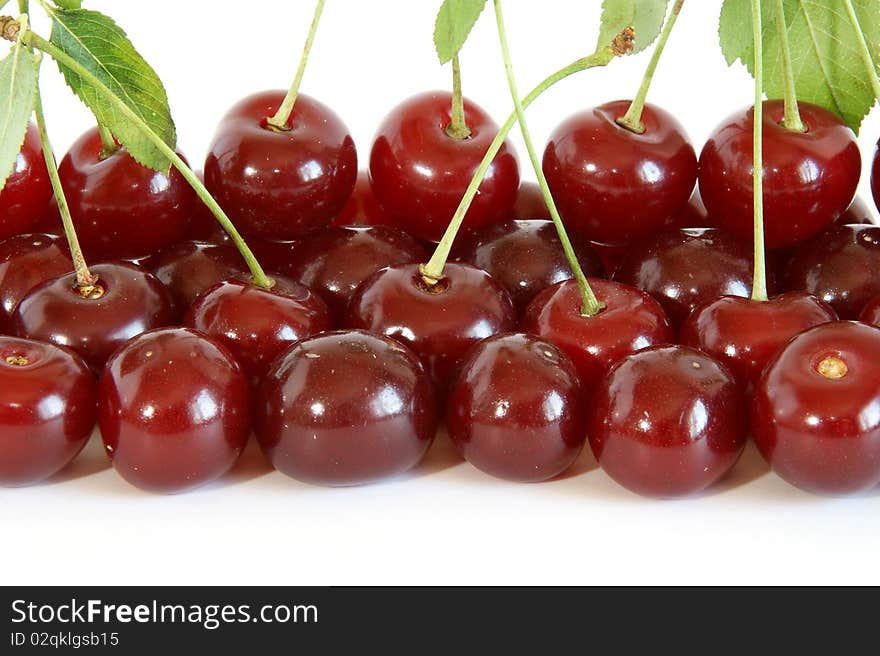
(363, 207)
(613, 185)
(810, 178)
(174, 410)
(667, 422)
(439, 323)
(840, 266)
(526, 256)
(420, 173)
(515, 410)
(26, 194)
(871, 313)
(334, 262)
(281, 184)
(129, 302)
(530, 203)
(745, 335)
(255, 324)
(346, 408)
(47, 410)
(814, 416)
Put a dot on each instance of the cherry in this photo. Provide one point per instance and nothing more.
(334, 262)
(871, 313)
(530, 203)
(363, 207)
(815, 417)
(526, 256)
(47, 409)
(26, 195)
(257, 325)
(686, 268)
(858, 213)
(610, 254)
(744, 335)
(667, 422)
(346, 408)
(420, 173)
(125, 302)
(840, 266)
(630, 321)
(613, 185)
(515, 410)
(281, 184)
(25, 262)
(439, 323)
(173, 410)
(810, 178)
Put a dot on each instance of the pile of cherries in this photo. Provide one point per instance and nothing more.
(346, 366)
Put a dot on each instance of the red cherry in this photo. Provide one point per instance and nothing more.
(419, 173)
(530, 203)
(613, 185)
(810, 178)
(858, 213)
(24, 198)
(631, 321)
(173, 410)
(281, 184)
(871, 313)
(515, 411)
(346, 408)
(129, 302)
(363, 207)
(257, 325)
(667, 422)
(439, 323)
(47, 409)
(815, 415)
(189, 268)
(744, 335)
(526, 256)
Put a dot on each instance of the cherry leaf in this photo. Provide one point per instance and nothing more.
(455, 20)
(18, 85)
(68, 4)
(644, 16)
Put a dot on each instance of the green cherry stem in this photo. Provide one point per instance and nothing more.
(108, 143)
(591, 305)
(281, 119)
(792, 120)
(632, 120)
(759, 281)
(457, 128)
(864, 50)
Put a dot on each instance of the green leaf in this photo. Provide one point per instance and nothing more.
(454, 22)
(18, 84)
(98, 44)
(68, 4)
(644, 16)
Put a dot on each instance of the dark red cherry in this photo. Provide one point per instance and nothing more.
(526, 256)
(744, 335)
(25, 262)
(363, 207)
(840, 266)
(613, 185)
(334, 262)
(515, 410)
(667, 422)
(26, 194)
(439, 323)
(815, 416)
(858, 213)
(610, 254)
(257, 325)
(125, 302)
(810, 178)
(281, 184)
(189, 268)
(631, 321)
(686, 268)
(346, 408)
(173, 410)
(47, 409)
(530, 203)
(871, 312)
(419, 172)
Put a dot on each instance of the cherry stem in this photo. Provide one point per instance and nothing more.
(281, 119)
(457, 128)
(632, 120)
(759, 281)
(864, 50)
(792, 120)
(108, 143)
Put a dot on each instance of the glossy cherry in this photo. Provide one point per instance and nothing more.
(515, 410)
(47, 409)
(419, 172)
(126, 302)
(346, 408)
(281, 184)
(871, 313)
(810, 177)
(530, 203)
(189, 268)
(174, 410)
(815, 417)
(27, 191)
(613, 185)
(667, 422)
(363, 207)
(439, 323)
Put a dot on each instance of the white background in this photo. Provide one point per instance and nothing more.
(445, 522)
